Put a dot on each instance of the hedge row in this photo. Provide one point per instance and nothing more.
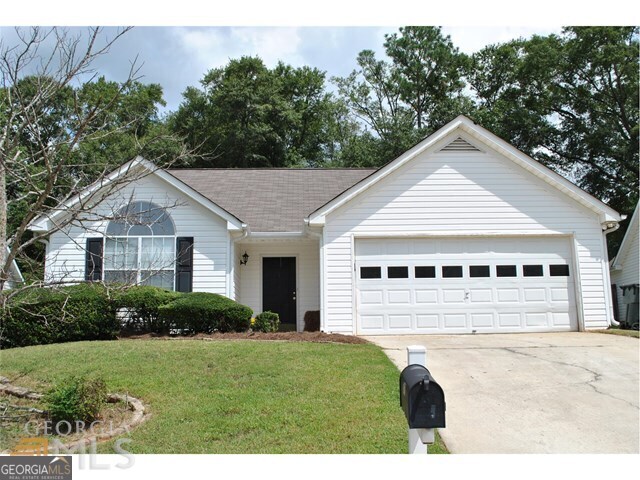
(93, 312)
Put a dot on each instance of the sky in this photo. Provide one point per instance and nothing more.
(177, 57)
(327, 35)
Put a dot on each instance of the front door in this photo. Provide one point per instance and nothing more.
(279, 287)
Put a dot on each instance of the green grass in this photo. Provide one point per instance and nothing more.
(619, 331)
(238, 396)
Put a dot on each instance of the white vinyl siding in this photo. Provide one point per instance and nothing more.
(307, 273)
(629, 271)
(65, 260)
(460, 193)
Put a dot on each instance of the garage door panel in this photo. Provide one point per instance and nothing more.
(508, 295)
(399, 321)
(538, 319)
(509, 319)
(427, 321)
(426, 296)
(453, 295)
(371, 297)
(535, 295)
(464, 285)
(559, 295)
(399, 297)
(372, 322)
(480, 295)
(454, 320)
(482, 320)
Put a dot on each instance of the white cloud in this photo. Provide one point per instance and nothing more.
(472, 39)
(213, 47)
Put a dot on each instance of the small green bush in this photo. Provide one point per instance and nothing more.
(141, 303)
(77, 399)
(53, 315)
(312, 321)
(201, 312)
(266, 322)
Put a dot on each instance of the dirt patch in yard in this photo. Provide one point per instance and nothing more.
(316, 337)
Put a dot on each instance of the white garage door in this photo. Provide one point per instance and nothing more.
(464, 285)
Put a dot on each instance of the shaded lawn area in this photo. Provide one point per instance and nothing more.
(237, 396)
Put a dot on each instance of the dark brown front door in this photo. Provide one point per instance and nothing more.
(279, 287)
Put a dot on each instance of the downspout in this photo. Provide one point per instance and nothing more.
(607, 229)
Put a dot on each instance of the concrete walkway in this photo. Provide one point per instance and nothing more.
(533, 393)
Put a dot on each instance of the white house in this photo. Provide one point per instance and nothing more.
(462, 233)
(625, 268)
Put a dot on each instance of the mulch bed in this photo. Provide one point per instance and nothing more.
(316, 337)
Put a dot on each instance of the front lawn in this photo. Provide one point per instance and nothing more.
(238, 396)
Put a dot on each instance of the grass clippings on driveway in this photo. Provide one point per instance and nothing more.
(238, 396)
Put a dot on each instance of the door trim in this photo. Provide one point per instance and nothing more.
(260, 284)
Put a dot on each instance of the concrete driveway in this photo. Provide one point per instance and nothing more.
(533, 393)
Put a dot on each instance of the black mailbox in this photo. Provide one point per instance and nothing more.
(421, 398)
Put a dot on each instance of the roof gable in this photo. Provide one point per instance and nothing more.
(474, 137)
(47, 221)
(627, 241)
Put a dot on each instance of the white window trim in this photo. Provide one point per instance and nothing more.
(139, 268)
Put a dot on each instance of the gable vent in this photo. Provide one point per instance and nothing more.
(459, 145)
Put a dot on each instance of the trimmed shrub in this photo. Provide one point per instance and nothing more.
(312, 321)
(201, 312)
(47, 315)
(266, 322)
(76, 399)
(140, 304)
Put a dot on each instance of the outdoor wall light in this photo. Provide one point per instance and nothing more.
(245, 258)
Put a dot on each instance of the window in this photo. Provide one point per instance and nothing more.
(397, 272)
(532, 270)
(506, 271)
(479, 271)
(425, 272)
(453, 271)
(140, 246)
(559, 270)
(370, 272)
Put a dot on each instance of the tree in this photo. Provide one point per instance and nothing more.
(247, 115)
(56, 138)
(401, 100)
(429, 71)
(571, 102)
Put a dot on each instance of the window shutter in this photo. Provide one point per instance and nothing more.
(184, 264)
(93, 260)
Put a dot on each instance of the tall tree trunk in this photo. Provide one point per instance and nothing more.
(4, 268)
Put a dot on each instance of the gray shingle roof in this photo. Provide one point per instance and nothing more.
(271, 200)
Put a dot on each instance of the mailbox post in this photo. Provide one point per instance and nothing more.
(422, 400)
